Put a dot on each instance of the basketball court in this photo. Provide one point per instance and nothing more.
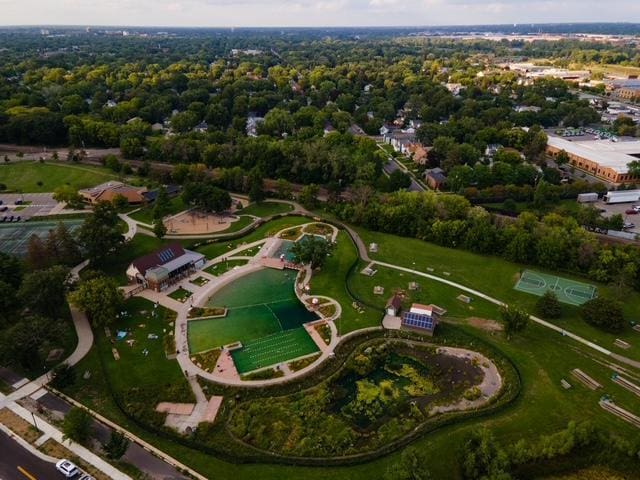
(567, 291)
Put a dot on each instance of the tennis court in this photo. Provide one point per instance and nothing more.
(264, 314)
(273, 349)
(568, 291)
(14, 237)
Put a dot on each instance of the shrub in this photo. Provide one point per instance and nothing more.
(604, 313)
(548, 305)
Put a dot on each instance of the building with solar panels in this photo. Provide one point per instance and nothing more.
(163, 268)
(422, 318)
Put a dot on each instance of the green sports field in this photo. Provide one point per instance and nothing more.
(273, 349)
(568, 291)
(264, 314)
(36, 177)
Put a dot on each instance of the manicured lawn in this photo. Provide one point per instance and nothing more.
(145, 214)
(200, 281)
(220, 247)
(224, 267)
(242, 222)
(36, 177)
(150, 372)
(330, 281)
(181, 294)
(429, 291)
(266, 209)
(497, 277)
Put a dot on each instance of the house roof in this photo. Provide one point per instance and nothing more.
(394, 302)
(107, 191)
(158, 258)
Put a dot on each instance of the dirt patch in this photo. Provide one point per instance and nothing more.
(19, 426)
(196, 222)
(516, 277)
(485, 324)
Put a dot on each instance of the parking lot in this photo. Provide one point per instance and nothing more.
(29, 204)
(620, 208)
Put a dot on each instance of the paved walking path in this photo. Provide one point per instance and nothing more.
(132, 226)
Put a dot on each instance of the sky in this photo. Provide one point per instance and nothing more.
(239, 13)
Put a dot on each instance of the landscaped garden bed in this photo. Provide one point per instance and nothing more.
(318, 229)
(181, 294)
(200, 281)
(199, 312)
(325, 332)
(303, 362)
(207, 360)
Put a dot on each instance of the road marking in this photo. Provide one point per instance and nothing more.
(26, 474)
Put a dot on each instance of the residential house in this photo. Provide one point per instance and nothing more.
(435, 178)
(492, 149)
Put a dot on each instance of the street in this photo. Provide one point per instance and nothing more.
(14, 456)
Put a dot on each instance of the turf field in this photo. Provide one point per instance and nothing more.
(568, 291)
(14, 237)
(36, 177)
(275, 348)
(261, 306)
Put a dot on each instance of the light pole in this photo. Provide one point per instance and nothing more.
(35, 424)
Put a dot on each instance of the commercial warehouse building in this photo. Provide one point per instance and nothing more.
(605, 159)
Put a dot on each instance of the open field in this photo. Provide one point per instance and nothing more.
(265, 209)
(145, 214)
(331, 281)
(497, 277)
(36, 177)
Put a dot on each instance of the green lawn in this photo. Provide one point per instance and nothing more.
(497, 277)
(145, 214)
(266, 209)
(36, 177)
(220, 247)
(180, 294)
(330, 281)
(151, 373)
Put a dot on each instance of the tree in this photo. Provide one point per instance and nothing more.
(120, 202)
(77, 425)
(311, 250)
(68, 252)
(309, 196)
(44, 291)
(63, 376)
(161, 206)
(412, 465)
(256, 185)
(206, 196)
(548, 305)
(37, 257)
(604, 313)
(10, 270)
(634, 168)
(515, 320)
(562, 158)
(117, 445)
(70, 196)
(159, 229)
(100, 234)
(283, 189)
(27, 341)
(8, 302)
(101, 298)
(483, 459)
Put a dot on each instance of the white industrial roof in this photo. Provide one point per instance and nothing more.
(614, 155)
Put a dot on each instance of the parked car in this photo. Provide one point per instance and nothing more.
(631, 211)
(636, 208)
(18, 202)
(17, 218)
(628, 225)
(4, 208)
(66, 468)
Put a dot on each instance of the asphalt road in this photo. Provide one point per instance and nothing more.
(14, 456)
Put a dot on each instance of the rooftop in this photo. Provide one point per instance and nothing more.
(614, 155)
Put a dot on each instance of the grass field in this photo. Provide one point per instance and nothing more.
(331, 281)
(223, 267)
(496, 277)
(36, 177)
(273, 349)
(14, 237)
(266, 209)
(145, 214)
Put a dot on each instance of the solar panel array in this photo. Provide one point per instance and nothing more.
(166, 255)
(418, 320)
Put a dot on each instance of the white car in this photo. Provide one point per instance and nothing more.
(68, 469)
(636, 208)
